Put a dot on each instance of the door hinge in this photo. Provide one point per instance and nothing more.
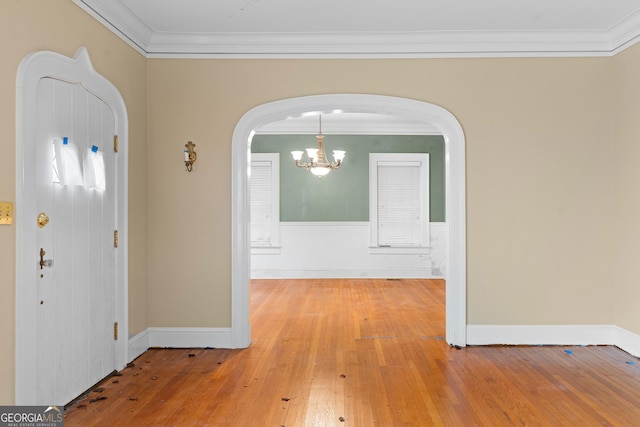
(115, 239)
(115, 331)
(115, 143)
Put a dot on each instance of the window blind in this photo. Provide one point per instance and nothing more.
(261, 203)
(399, 204)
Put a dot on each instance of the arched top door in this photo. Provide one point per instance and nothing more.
(61, 99)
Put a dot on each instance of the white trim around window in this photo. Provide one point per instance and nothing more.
(265, 203)
(399, 203)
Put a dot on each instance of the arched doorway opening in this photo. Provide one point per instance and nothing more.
(435, 115)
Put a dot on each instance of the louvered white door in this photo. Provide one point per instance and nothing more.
(75, 291)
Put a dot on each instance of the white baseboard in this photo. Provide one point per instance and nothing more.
(627, 341)
(476, 335)
(190, 337)
(554, 335)
(343, 274)
(179, 338)
(138, 344)
(539, 335)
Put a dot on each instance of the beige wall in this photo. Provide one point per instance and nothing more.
(60, 26)
(540, 171)
(539, 153)
(626, 172)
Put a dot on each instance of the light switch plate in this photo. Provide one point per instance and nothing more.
(6, 213)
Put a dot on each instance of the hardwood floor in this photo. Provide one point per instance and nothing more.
(364, 353)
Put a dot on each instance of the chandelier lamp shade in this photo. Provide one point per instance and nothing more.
(317, 162)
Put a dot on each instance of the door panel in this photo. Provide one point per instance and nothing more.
(76, 295)
(46, 338)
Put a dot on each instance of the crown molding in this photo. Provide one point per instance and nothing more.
(375, 45)
(121, 21)
(625, 34)
(456, 44)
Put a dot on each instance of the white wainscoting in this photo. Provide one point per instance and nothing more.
(554, 335)
(341, 249)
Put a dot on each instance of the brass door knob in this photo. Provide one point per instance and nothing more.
(43, 219)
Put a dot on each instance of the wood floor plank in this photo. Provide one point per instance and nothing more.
(364, 352)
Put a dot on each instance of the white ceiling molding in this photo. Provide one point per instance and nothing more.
(380, 45)
(625, 34)
(121, 21)
(362, 44)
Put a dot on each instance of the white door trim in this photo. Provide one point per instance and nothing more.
(76, 70)
(440, 118)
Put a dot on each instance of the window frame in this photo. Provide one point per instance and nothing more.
(399, 159)
(274, 160)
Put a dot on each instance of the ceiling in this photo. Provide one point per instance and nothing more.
(370, 28)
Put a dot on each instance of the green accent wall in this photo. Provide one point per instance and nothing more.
(343, 195)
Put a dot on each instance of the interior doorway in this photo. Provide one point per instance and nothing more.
(436, 116)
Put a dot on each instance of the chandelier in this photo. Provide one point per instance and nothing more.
(317, 163)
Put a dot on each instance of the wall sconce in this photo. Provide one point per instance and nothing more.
(189, 155)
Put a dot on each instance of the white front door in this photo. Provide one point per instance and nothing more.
(75, 282)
